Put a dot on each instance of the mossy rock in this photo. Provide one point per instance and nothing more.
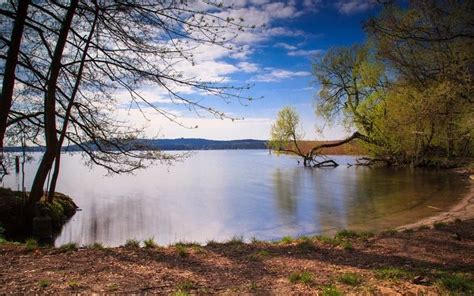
(60, 209)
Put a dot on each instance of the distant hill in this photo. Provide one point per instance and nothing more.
(172, 144)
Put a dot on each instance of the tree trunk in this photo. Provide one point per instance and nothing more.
(50, 109)
(10, 68)
(57, 163)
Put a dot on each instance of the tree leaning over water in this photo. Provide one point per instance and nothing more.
(77, 55)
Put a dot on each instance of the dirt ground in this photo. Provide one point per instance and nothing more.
(426, 261)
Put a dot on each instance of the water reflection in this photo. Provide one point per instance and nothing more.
(260, 195)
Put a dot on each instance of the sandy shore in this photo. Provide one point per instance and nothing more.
(463, 210)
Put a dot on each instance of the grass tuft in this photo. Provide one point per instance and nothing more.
(391, 273)
(301, 277)
(31, 244)
(132, 243)
(331, 290)
(457, 284)
(286, 239)
(44, 283)
(68, 247)
(96, 246)
(350, 279)
(73, 284)
(149, 243)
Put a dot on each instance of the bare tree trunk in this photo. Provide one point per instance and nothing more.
(10, 68)
(354, 136)
(50, 108)
(57, 162)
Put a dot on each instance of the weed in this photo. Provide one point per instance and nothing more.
(132, 243)
(44, 283)
(73, 284)
(149, 243)
(180, 293)
(31, 244)
(456, 283)
(96, 246)
(263, 253)
(112, 287)
(305, 245)
(301, 277)
(253, 286)
(331, 290)
(181, 250)
(68, 247)
(236, 240)
(287, 240)
(349, 278)
(391, 273)
(212, 243)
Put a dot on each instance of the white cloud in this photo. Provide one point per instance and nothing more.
(303, 52)
(248, 67)
(354, 6)
(280, 74)
(285, 46)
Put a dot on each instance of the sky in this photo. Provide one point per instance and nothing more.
(275, 59)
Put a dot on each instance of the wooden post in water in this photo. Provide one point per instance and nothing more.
(17, 164)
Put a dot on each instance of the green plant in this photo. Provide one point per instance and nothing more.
(331, 290)
(353, 234)
(286, 239)
(149, 243)
(96, 246)
(44, 283)
(456, 283)
(73, 284)
(181, 250)
(391, 273)
(31, 244)
(301, 277)
(263, 253)
(350, 278)
(68, 247)
(112, 287)
(180, 293)
(305, 245)
(346, 245)
(132, 243)
(236, 240)
(390, 232)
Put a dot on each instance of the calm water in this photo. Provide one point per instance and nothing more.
(221, 194)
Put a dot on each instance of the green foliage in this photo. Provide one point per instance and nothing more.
(132, 243)
(68, 247)
(286, 131)
(304, 277)
(44, 283)
(287, 239)
(331, 290)
(186, 286)
(457, 284)
(31, 244)
(73, 284)
(96, 246)
(149, 243)
(181, 250)
(391, 273)
(236, 240)
(349, 278)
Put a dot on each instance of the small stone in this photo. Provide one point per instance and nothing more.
(420, 280)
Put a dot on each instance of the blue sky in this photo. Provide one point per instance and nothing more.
(276, 60)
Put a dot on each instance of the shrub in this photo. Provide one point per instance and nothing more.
(331, 291)
(44, 283)
(68, 247)
(286, 239)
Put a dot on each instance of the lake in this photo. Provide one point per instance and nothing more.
(217, 195)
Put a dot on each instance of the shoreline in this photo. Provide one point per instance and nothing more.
(462, 210)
